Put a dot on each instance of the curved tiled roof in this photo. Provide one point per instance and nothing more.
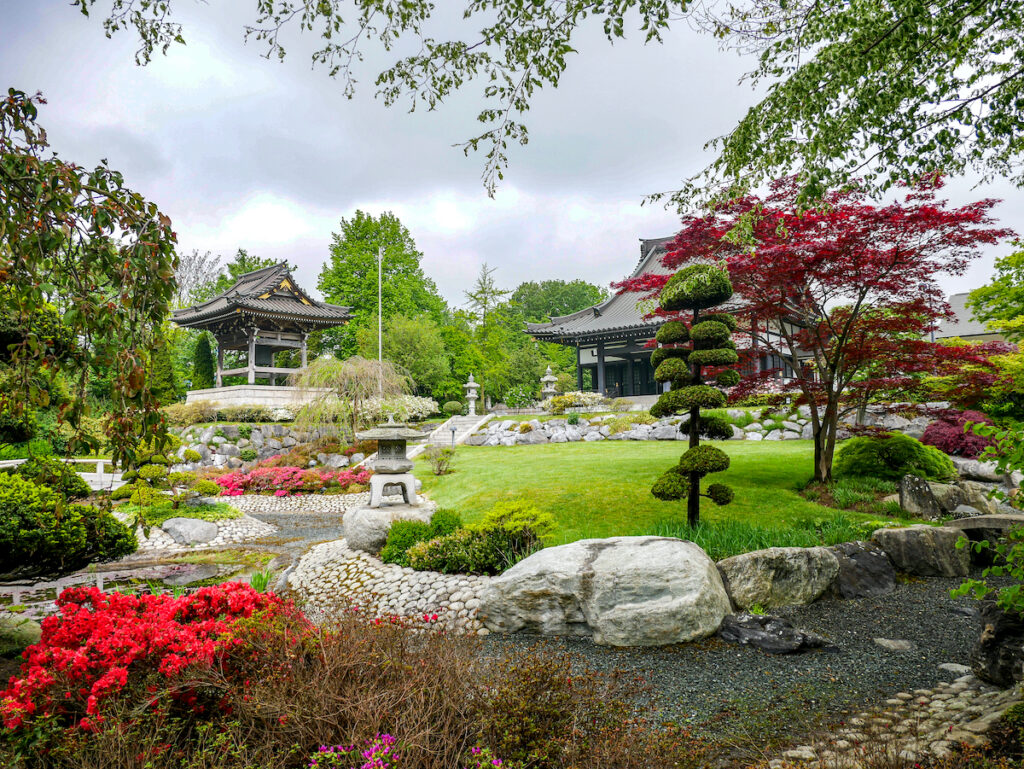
(620, 315)
(267, 293)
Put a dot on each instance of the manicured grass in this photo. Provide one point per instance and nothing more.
(157, 515)
(602, 489)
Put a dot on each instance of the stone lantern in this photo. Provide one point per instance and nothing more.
(547, 385)
(391, 467)
(471, 397)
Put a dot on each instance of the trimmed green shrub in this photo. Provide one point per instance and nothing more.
(709, 334)
(191, 455)
(721, 317)
(891, 456)
(720, 494)
(664, 353)
(41, 534)
(186, 414)
(444, 521)
(451, 408)
(248, 455)
(401, 536)
(671, 486)
(59, 476)
(703, 460)
(123, 492)
(152, 472)
(245, 431)
(206, 488)
(712, 427)
(672, 370)
(696, 287)
(673, 332)
(728, 378)
(678, 401)
(722, 356)
(509, 532)
(203, 370)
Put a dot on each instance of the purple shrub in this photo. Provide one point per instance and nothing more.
(948, 434)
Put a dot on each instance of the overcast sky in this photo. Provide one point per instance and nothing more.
(242, 152)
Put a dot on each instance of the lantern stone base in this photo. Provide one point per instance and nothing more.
(405, 481)
(366, 528)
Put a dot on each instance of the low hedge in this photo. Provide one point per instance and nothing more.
(59, 476)
(891, 456)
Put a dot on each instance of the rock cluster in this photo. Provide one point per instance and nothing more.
(910, 727)
(332, 578)
(221, 445)
(779, 576)
(977, 491)
(366, 528)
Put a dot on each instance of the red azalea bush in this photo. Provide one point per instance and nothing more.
(286, 481)
(950, 434)
(88, 652)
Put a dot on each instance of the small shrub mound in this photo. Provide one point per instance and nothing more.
(509, 532)
(891, 456)
(951, 434)
(404, 534)
(40, 533)
(58, 475)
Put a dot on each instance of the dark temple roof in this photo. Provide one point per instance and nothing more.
(965, 325)
(615, 318)
(268, 298)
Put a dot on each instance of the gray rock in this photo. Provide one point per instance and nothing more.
(558, 436)
(366, 528)
(966, 511)
(207, 435)
(774, 435)
(753, 437)
(17, 632)
(218, 440)
(998, 655)
(229, 431)
(356, 458)
(792, 426)
(737, 433)
(273, 444)
(975, 470)
(573, 433)
(593, 436)
(278, 431)
(624, 591)
(191, 573)
(790, 435)
(606, 431)
(230, 451)
(807, 432)
(754, 427)
(916, 498)
(917, 427)
(894, 422)
(771, 634)
(288, 441)
(895, 644)
(256, 438)
(779, 576)
(979, 495)
(955, 669)
(924, 551)
(948, 495)
(190, 531)
(736, 413)
(864, 570)
(532, 438)
(664, 433)
(234, 463)
(477, 439)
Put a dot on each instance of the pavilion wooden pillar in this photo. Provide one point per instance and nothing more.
(579, 368)
(252, 357)
(627, 386)
(600, 368)
(220, 364)
(303, 365)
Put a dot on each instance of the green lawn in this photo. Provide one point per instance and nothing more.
(602, 489)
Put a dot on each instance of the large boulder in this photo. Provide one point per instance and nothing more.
(623, 591)
(366, 528)
(917, 499)
(924, 551)
(864, 570)
(190, 531)
(779, 576)
(998, 655)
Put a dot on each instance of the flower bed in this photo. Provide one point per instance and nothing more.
(289, 481)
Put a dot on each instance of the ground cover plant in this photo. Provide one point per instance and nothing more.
(891, 456)
(600, 489)
(232, 678)
(157, 514)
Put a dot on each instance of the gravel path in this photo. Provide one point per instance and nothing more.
(719, 687)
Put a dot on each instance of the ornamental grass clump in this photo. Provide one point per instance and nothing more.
(685, 357)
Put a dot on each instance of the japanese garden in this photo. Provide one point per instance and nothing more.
(314, 454)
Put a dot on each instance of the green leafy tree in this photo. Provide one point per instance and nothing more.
(881, 91)
(551, 298)
(686, 354)
(242, 264)
(163, 383)
(203, 368)
(80, 241)
(1001, 302)
(414, 345)
(350, 278)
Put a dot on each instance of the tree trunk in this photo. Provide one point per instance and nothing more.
(693, 497)
(825, 444)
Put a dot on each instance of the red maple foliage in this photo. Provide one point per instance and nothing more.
(843, 294)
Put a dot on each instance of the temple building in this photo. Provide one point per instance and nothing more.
(264, 312)
(610, 338)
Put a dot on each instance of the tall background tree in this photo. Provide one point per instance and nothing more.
(350, 278)
(1001, 301)
(885, 91)
(838, 292)
(103, 257)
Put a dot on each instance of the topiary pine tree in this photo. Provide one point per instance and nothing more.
(203, 364)
(684, 355)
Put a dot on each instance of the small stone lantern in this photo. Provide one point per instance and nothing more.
(391, 467)
(547, 385)
(471, 387)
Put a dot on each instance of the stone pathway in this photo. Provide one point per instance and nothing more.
(911, 726)
(230, 532)
(306, 503)
(331, 578)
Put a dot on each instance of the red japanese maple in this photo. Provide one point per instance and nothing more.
(845, 294)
